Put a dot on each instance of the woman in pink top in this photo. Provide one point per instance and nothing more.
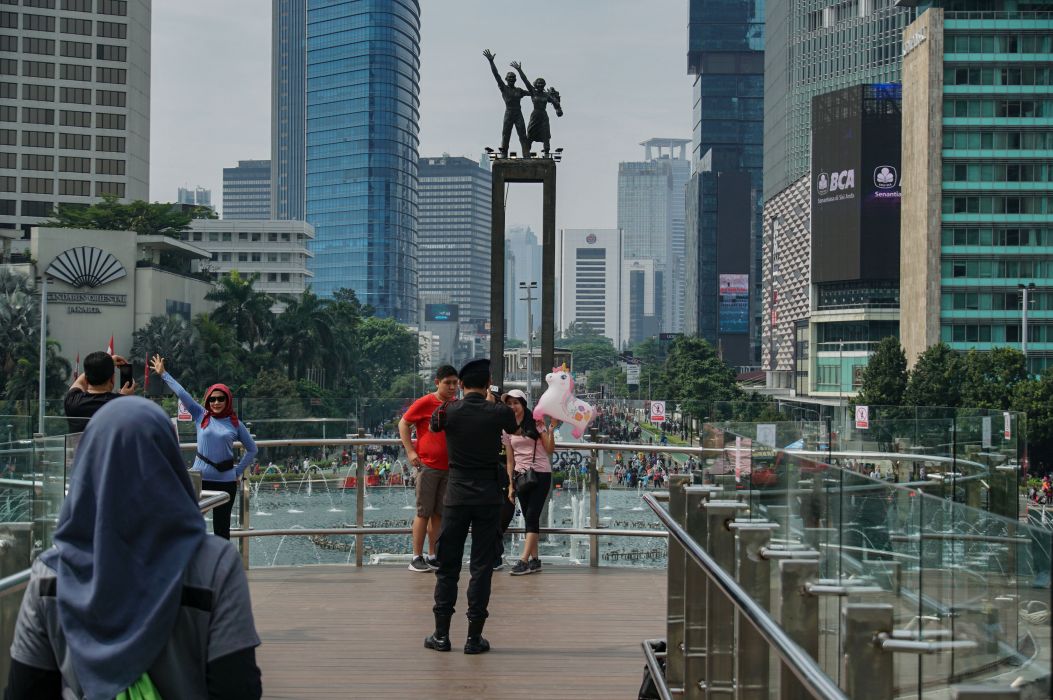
(530, 450)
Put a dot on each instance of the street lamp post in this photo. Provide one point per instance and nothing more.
(42, 379)
(529, 288)
(1024, 290)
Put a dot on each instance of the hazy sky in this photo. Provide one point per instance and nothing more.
(620, 67)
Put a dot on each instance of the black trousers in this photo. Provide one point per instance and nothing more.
(484, 521)
(221, 514)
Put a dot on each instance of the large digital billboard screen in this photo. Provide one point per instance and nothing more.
(855, 187)
(441, 312)
(734, 296)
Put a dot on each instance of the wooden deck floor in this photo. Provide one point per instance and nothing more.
(342, 632)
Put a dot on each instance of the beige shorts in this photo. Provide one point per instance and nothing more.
(431, 491)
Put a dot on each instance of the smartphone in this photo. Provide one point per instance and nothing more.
(125, 375)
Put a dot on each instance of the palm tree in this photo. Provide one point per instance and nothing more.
(173, 338)
(303, 334)
(245, 310)
(20, 342)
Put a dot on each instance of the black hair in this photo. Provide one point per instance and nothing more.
(98, 368)
(527, 426)
(445, 371)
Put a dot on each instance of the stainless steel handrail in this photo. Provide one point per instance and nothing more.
(292, 532)
(14, 583)
(211, 499)
(656, 669)
(796, 659)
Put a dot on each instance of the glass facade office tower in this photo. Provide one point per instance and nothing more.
(726, 56)
(247, 191)
(815, 47)
(651, 215)
(289, 110)
(74, 106)
(978, 128)
(453, 258)
(363, 110)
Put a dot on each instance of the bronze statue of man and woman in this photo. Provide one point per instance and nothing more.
(537, 129)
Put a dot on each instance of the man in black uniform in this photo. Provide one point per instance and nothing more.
(473, 428)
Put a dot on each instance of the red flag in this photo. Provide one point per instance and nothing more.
(109, 348)
(76, 368)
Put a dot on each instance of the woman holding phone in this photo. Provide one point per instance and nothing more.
(530, 450)
(218, 428)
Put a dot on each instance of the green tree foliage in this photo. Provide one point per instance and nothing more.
(243, 308)
(303, 335)
(20, 344)
(385, 351)
(990, 378)
(173, 338)
(591, 350)
(885, 377)
(695, 377)
(936, 379)
(1035, 398)
(144, 218)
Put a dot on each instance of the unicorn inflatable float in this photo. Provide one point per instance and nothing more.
(559, 402)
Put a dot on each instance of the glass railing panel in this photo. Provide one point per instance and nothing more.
(957, 576)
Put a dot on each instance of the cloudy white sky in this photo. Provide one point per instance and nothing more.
(618, 64)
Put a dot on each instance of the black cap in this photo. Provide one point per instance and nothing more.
(476, 373)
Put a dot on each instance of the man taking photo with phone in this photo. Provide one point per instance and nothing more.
(93, 389)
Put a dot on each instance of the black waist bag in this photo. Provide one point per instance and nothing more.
(224, 466)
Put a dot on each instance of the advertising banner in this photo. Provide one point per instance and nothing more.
(441, 312)
(734, 303)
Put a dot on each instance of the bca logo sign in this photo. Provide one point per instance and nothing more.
(836, 181)
(885, 177)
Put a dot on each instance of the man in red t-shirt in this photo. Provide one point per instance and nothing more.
(433, 467)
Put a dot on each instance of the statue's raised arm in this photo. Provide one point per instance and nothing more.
(493, 69)
(526, 81)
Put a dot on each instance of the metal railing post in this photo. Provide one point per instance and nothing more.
(243, 517)
(867, 667)
(754, 575)
(695, 583)
(594, 502)
(674, 660)
(360, 496)
(720, 617)
(798, 615)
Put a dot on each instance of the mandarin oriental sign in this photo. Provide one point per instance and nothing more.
(87, 298)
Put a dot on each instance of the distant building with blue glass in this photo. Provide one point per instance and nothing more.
(289, 110)
(361, 107)
(724, 203)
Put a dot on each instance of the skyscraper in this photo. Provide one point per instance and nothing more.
(363, 75)
(75, 81)
(453, 254)
(977, 240)
(815, 47)
(247, 191)
(199, 196)
(651, 215)
(726, 56)
(590, 265)
(522, 245)
(289, 110)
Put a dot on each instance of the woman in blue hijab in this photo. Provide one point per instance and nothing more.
(134, 591)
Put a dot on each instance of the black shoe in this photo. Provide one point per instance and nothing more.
(438, 643)
(499, 564)
(432, 562)
(520, 568)
(419, 565)
(476, 645)
(534, 566)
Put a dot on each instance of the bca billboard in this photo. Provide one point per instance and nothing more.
(855, 184)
